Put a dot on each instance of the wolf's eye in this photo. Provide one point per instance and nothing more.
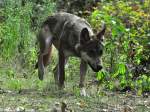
(92, 51)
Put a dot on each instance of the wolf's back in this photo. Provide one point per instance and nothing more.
(71, 24)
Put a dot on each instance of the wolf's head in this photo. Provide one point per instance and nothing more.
(91, 48)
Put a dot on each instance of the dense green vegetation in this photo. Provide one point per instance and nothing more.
(126, 59)
(127, 43)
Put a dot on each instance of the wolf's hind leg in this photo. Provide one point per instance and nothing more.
(56, 72)
(46, 57)
(40, 66)
(45, 41)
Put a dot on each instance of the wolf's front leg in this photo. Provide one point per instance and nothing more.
(83, 69)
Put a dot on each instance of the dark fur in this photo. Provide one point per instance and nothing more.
(72, 36)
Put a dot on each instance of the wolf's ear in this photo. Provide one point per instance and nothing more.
(84, 36)
(100, 35)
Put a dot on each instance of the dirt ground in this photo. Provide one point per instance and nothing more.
(36, 101)
(35, 96)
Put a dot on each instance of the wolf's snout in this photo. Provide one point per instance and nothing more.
(99, 67)
(96, 68)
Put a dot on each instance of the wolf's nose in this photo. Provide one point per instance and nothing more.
(99, 67)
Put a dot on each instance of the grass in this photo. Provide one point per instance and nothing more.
(23, 91)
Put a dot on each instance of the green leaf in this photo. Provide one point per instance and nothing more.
(122, 68)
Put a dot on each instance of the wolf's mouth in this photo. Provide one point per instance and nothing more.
(96, 68)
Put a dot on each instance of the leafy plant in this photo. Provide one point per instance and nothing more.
(126, 38)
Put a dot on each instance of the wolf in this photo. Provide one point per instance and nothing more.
(72, 36)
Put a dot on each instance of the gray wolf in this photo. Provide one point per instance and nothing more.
(72, 36)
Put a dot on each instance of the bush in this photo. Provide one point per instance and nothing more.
(126, 44)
